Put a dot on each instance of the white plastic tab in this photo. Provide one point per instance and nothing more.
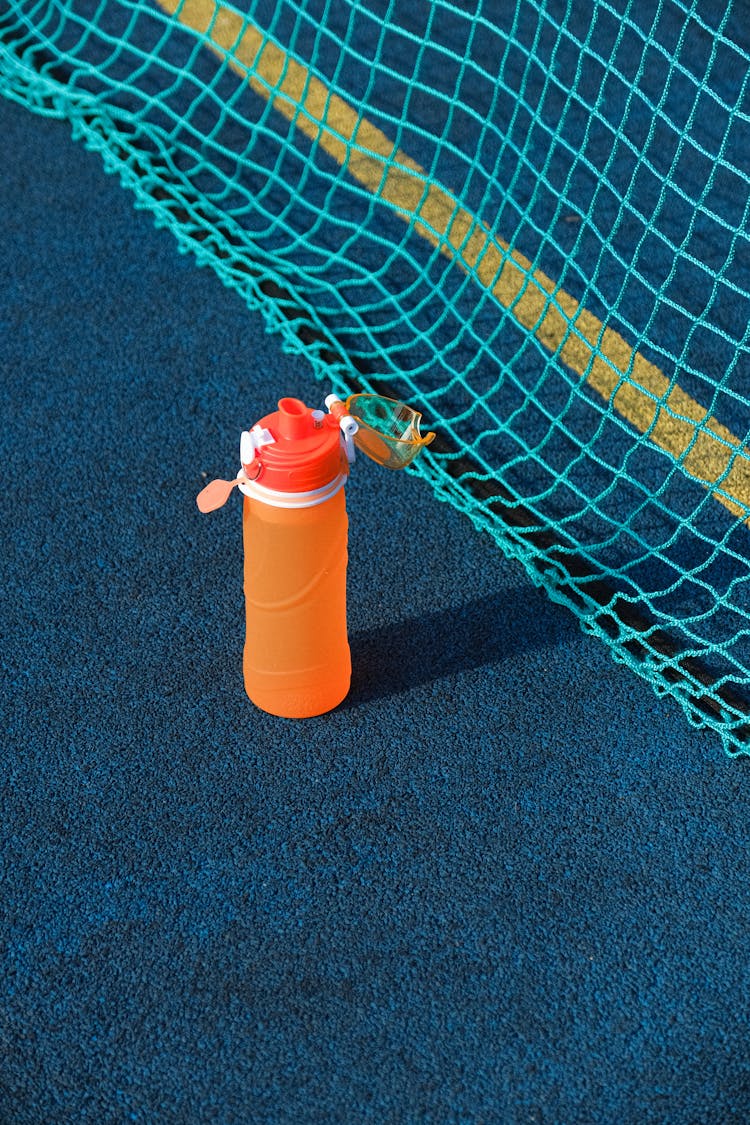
(262, 436)
(247, 447)
(347, 425)
(252, 440)
(349, 428)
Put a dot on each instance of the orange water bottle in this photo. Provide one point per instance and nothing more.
(296, 660)
(295, 463)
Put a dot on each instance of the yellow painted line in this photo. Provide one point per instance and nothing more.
(637, 389)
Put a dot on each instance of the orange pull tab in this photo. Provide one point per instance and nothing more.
(215, 494)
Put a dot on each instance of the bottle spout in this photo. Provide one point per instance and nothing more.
(388, 431)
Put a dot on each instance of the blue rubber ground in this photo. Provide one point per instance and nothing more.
(503, 883)
(610, 150)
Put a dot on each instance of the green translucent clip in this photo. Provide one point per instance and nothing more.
(388, 430)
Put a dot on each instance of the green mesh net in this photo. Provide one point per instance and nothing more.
(529, 220)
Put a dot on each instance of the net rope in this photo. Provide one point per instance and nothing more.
(528, 221)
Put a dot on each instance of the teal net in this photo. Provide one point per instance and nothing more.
(528, 220)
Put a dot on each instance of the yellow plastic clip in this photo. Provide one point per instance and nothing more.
(388, 430)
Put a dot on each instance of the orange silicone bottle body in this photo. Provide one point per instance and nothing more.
(296, 660)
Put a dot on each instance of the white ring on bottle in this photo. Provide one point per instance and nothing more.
(277, 499)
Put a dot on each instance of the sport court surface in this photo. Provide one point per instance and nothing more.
(532, 222)
(504, 882)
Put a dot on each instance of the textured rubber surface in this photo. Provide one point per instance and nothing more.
(530, 222)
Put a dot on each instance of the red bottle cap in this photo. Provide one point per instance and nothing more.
(306, 453)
